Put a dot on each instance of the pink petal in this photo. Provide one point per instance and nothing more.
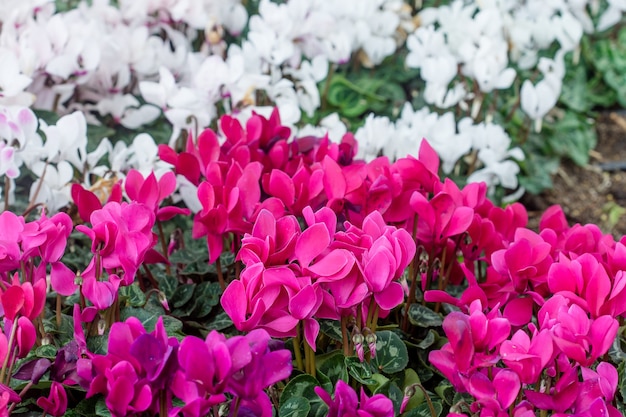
(519, 311)
(311, 330)
(336, 262)
(302, 304)
(334, 180)
(208, 147)
(391, 297)
(12, 301)
(281, 186)
(132, 184)
(508, 384)
(311, 243)
(62, 279)
(235, 302)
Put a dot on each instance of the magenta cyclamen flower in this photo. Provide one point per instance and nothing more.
(136, 367)
(151, 192)
(346, 403)
(528, 357)
(243, 366)
(121, 235)
(11, 227)
(56, 403)
(473, 339)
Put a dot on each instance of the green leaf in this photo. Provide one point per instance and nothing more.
(209, 293)
(101, 408)
(303, 386)
(172, 325)
(333, 365)
(349, 97)
(411, 378)
(538, 172)
(394, 393)
(167, 284)
(574, 136)
(133, 295)
(331, 328)
(46, 351)
(98, 344)
(428, 341)
(220, 322)
(574, 93)
(182, 295)
(446, 392)
(148, 316)
(422, 316)
(324, 381)
(360, 371)
(391, 353)
(423, 410)
(95, 134)
(295, 407)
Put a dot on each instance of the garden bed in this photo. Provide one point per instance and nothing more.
(595, 193)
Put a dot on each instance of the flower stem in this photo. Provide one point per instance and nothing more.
(344, 335)
(10, 350)
(164, 246)
(296, 349)
(309, 359)
(236, 407)
(329, 78)
(372, 315)
(163, 403)
(58, 310)
(220, 275)
(7, 186)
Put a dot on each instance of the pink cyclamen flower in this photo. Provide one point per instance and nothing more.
(121, 236)
(217, 366)
(528, 357)
(151, 192)
(56, 402)
(578, 336)
(347, 404)
(87, 201)
(23, 299)
(11, 227)
(497, 395)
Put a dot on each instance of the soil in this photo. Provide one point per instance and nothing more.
(595, 193)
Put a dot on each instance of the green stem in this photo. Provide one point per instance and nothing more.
(163, 246)
(296, 349)
(236, 407)
(329, 78)
(310, 359)
(220, 275)
(372, 315)
(7, 186)
(58, 310)
(344, 335)
(3, 372)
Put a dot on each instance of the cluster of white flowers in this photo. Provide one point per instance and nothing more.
(129, 63)
(487, 142)
(481, 41)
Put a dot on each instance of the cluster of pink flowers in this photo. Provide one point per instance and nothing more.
(27, 249)
(122, 240)
(538, 323)
(147, 371)
(321, 236)
(294, 276)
